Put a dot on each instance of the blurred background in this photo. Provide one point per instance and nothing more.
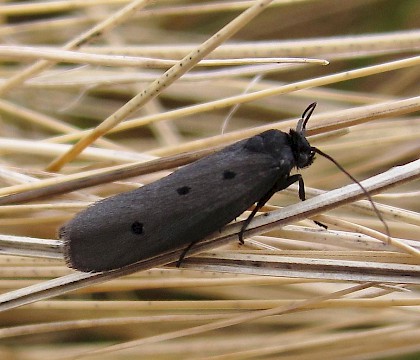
(42, 111)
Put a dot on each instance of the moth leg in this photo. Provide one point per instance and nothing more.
(184, 253)
(280, 185)
(302, 197)
(320, 224)
(188, 248)
(257, 207)
(285, 183)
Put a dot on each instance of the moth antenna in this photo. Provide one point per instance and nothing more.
(301, 125)
(377, 212)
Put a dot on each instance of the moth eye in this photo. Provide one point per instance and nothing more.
(228, 174)
(137, 228)
(183, 190)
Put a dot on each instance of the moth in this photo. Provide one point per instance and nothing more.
(189, 204)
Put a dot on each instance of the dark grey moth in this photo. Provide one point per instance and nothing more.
(189, 204)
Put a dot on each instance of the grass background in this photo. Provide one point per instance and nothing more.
(219, 305)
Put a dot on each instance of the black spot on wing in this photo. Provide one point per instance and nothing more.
(184, 190)
(137, 228)
(228, 174)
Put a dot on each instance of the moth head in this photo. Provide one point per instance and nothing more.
(303, 152)
(304, 155)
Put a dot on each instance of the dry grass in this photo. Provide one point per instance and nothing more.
(293, 291)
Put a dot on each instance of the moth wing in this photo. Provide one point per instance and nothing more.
(177, 210)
